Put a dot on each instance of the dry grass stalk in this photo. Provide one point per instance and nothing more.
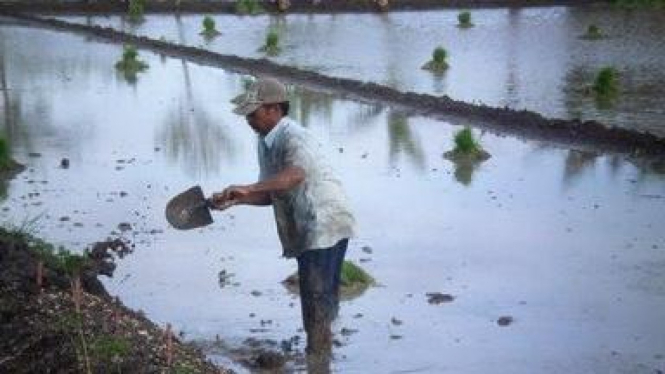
(40, 275)
(77, 293)
(168, 337)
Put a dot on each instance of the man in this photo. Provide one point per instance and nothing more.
(313, 218)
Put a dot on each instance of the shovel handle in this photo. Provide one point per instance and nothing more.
(211, 205)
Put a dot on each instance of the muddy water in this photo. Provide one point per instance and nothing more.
(521, 58)
(568, 244)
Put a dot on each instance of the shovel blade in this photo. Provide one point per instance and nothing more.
(188, 210)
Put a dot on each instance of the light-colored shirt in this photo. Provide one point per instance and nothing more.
(316, 213)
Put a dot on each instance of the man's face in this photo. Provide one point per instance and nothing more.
(262, 120)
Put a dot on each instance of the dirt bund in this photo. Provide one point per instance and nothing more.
(587, 135)
(297, 6)
(48, 325)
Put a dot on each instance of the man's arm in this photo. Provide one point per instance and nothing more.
(259, 193)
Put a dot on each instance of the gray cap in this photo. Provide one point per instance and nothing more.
(262, 91)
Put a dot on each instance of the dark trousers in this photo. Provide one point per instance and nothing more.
(319, 272)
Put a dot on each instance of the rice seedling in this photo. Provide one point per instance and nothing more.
(438, 63)
(464, 20)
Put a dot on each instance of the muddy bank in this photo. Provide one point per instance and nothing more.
(297, 6)
(47, 327)
(588, 135)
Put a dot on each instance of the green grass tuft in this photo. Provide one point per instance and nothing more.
(55, 258)
(109, 348)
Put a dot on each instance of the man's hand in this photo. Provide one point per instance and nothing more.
(230, 196)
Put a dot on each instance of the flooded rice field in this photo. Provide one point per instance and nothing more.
(530, 58)
(554, 257)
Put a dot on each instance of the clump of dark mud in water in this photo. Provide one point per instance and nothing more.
(436, 298)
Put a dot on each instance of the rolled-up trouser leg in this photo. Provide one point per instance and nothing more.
(319, 273)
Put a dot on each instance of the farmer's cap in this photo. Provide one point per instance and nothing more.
(262, 91)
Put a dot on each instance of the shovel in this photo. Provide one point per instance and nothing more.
(190, 209)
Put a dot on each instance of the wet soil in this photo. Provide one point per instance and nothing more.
(644, 148)
(296, 6)
(42, 330)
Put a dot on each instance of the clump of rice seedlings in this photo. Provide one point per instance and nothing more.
(209, 27)
(354, 275)
(248, 7)
(354, 280)
(438, 63)
(271, 46)
(593, 32)
(129, 64)
(136, 10)
(464, 20)
(466, 148)
(606, 82)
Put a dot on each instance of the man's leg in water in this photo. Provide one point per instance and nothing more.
(319, 272)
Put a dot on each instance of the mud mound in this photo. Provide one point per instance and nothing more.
(43, 329)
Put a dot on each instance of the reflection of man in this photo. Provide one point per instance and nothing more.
(311, 211)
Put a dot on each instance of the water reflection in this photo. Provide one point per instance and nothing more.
(363, 115)
(17, 120)
(578, 163)
(192, 138)
(464, 172)
(402, 141)
(306, 103)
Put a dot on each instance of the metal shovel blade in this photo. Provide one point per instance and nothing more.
(188, 210)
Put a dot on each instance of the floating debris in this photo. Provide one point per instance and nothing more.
(436, 298)
(504, 320)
